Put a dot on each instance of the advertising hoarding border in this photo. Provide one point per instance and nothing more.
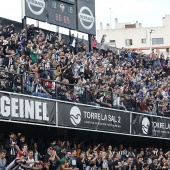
(92, 130)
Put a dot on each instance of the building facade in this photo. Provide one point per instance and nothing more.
(134, 36)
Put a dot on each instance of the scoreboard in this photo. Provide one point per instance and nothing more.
(72, 14)
(62, 13)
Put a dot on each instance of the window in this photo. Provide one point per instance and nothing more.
(143, 41)
(157, 41)
(112, 41)
(128, 42)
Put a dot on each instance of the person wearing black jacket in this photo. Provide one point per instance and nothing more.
(10, 148)
(30, 31)
(62, 153)
(154, 165)
(90, 99)
(5, 33)
(81, 163)
(27, 50)
(139, 163)
(12, 44)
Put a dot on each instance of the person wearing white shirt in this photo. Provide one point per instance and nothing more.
(30, 158)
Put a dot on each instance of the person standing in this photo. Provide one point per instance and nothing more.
(65, 163)
(102, 46)
(30, 158)
(53, 158)
(61, 154)
(139, 163)
(10, 148)
(94, 43)
(73, 159)
(24, 150)
(81, 164)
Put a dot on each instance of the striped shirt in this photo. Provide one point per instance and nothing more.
(14, 165)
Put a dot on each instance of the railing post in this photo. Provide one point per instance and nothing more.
(135, 104)
(56, 90)
(85, 95)
(157, 108)
(21, 83)
(112, 98)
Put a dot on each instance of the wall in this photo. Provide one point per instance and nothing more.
(136, 34)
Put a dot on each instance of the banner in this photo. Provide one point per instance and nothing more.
(27, 109)
(150, 126)
(36, 9)
(94, 118)
(86, 16)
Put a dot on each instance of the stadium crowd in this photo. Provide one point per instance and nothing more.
(17, 153)
(53, 68)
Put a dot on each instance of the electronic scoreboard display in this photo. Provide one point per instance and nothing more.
(62, 13)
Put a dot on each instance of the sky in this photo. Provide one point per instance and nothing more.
(147, 12)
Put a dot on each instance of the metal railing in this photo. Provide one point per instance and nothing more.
(29, 83)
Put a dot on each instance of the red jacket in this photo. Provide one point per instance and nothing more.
(94, 42)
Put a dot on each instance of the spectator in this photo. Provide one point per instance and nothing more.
(52, 157)
(5, 33)
(33, 53)
(89, 97)
(94, 43)
(3, 160)
(30, 158)
(102, 156)
(130, 73)
(21, 141)
(20, 163)
(128, 103)
(139, 164)
(73, 159)
(146, 166)
(40, 91)
(102, 45)
(81, 164)
(65, 163)
(61, 154)
(118, 163)
(127, 165)
(23, 151)
(0, 28)
(154, 165)
(36, 154)
(10, 148)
